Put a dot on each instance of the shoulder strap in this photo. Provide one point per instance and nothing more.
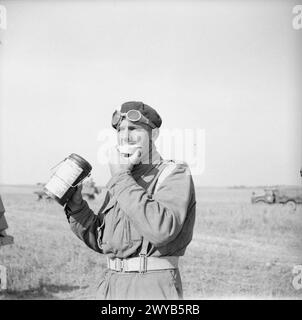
(164, 174)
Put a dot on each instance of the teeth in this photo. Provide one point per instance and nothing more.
(128, 149)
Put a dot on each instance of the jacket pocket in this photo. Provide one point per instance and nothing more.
(133, 234)
(119, 237)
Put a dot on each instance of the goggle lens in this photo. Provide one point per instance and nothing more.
(133, 115)
(115, 118)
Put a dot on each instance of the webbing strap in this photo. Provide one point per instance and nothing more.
(164, 174)
(143, 256)
(144, 247)
(143, 253)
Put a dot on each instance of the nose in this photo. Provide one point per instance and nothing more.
(125, 135)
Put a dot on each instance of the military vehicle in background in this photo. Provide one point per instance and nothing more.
(288, 196)
(90, 190)
(41, 193)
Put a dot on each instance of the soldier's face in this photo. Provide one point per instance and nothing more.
(132, 134)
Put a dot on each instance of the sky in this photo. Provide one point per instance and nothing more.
(230, 70)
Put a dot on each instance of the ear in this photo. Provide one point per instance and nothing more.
(155, 134)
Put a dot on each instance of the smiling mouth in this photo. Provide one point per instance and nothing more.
(128, 149)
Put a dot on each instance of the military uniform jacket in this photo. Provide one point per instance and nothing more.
(3, 223)
(130, 211)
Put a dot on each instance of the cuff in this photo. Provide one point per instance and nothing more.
(71, 208)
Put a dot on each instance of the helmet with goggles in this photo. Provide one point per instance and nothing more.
(131, 115)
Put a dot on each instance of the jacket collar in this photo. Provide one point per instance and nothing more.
(147, 164)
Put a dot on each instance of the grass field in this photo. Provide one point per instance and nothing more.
(239, 250)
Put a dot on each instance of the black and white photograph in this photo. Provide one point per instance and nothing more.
(150, 150)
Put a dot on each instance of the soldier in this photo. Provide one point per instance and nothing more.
(147, 214)
(4, 238)
(3, 223)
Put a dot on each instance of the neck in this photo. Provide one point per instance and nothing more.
(152, 157)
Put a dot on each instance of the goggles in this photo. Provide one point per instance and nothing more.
(131, 115)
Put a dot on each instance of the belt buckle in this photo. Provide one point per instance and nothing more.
(142, 263)
(119, 264)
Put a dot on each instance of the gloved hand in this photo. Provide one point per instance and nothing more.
(76, 200)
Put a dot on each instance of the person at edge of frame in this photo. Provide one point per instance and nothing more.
(3, 223)
(4, 237)
(146, 217)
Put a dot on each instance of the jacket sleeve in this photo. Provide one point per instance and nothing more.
(159, 218)
(86, 225)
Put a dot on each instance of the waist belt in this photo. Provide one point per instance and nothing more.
(142, 264)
